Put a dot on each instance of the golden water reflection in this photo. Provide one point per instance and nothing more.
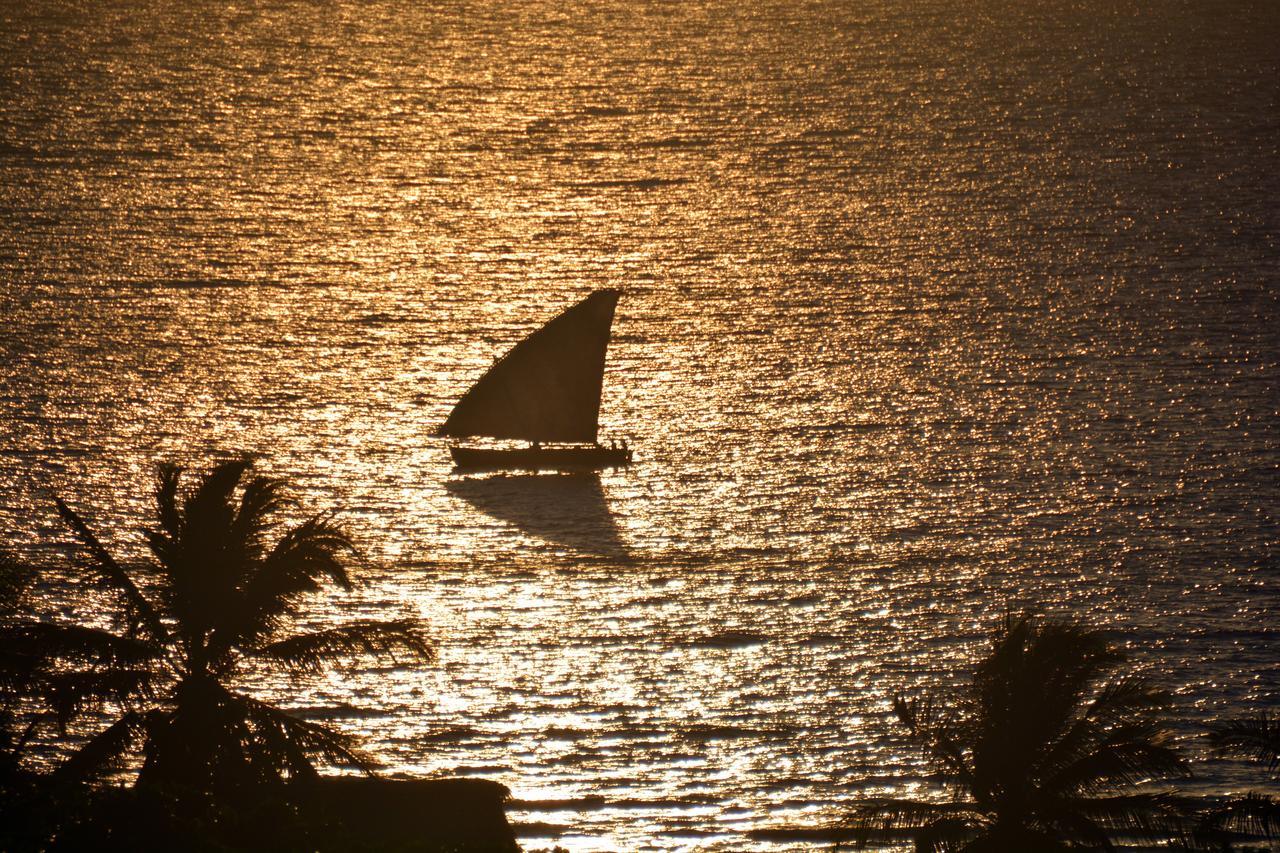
(906, 340)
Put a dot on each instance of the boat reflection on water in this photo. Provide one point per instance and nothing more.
(563, 509)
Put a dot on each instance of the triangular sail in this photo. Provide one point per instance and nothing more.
(548, 387)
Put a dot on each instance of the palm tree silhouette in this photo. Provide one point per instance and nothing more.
(1256, 739)
(17, 674)
(220, 588)
(1042, 750)
(22, 809)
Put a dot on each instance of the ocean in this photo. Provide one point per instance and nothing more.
(931, 312)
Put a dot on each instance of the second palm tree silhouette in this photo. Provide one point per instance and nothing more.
(1041, 750)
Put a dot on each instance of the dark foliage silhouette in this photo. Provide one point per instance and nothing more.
(18, 675)
(1256, 739)
(26, 809)
(1045, 749)
(219, 588)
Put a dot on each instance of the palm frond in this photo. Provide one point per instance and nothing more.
(15, 579)
(104, 751)
(1119, 701)
(260, 500)
(1257, 739)
(1061, 820)
(201, 542)
(270, 746)
(195, 545)
(1072, 746)
(1124, 755)
(211, 499)
(18, 746)
(166, 497)
(1121, 698)
(114, 576)
(279, 729)
(877, 818)
(1251, 814)
(1146, 815)
(934, 730)
(302, 556)
(70, 693)
(313, 549)
(944, 835)
(50, 641)
(1028, 691)
(380, 639)
(20, 663)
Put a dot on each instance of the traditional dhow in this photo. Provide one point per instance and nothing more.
(546, 392)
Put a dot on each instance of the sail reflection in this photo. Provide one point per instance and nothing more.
(563, 509)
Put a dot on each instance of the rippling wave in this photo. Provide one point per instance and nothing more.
(930, 311)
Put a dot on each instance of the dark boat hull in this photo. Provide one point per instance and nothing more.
(539, 458)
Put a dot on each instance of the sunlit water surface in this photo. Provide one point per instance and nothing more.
(929, 313)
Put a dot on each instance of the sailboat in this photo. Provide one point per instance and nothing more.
(546, 392)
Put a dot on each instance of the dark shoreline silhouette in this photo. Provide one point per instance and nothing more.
(333, 814)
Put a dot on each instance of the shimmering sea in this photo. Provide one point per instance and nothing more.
(931, 311)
